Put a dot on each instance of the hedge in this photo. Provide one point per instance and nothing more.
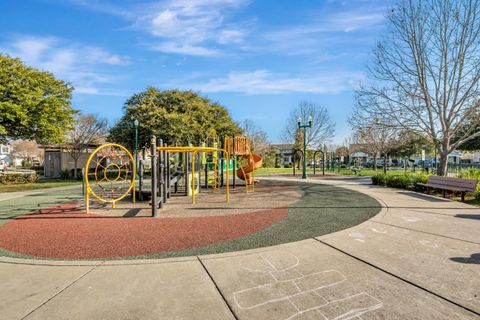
(18, 177)
(471, 173)
(411, 181)
(402, 181)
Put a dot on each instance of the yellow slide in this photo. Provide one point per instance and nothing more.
(254, 162)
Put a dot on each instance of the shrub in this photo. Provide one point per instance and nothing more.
(471, 173)
(402, 181)
(417, 178)
(64, 174)
(379, 179)
(398, 181)
(18, 178)
(79, 174)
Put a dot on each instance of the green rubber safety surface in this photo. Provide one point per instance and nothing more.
(321, 210)
(9, 209)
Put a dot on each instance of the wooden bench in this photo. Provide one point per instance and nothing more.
(451, 184)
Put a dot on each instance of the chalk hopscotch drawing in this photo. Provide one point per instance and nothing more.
(382, 231)
(427, 243)
(357, 236)
(411, 219)
(302, 291)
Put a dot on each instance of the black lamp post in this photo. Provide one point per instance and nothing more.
(304, 127)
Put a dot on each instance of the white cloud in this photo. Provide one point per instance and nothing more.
(328, 31)
(186, 49)
(266, 82)
(231, 36)
(73, 62)
(355, 20)
(190, 27)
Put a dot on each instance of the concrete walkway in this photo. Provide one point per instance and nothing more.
(418, 259)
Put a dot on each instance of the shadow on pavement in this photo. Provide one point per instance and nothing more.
(424, 197)
(468, 216)
(473, 259)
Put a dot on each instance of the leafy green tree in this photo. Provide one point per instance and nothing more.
(34, 105)
(472, 144)
(178, 117)
(410, 143)
(269, 158)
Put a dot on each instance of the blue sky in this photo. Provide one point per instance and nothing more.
(257, 58)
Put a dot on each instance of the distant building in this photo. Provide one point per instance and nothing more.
(360, 158)
(5, 158)
(283, 154)
(58, 159)
(470, 157)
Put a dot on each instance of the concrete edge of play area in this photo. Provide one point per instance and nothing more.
(133, 261)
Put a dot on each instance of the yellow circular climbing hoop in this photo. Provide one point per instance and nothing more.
(109, 174)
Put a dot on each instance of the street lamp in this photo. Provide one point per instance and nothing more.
(135, 124)
(304, 127)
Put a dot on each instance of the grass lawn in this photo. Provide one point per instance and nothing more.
(371, 172)
(38, 185)
(279, 170)
(363, 173)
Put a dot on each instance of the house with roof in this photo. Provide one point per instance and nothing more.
(5, 157)
(283, 154)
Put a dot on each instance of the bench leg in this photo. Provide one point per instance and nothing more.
(444, 193)
(463, 196)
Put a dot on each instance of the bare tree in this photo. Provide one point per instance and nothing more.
(27, 150)
(323, 128)
(377, 140)
(258, 137)
(425, 73)
(375, 136)
(88, 129)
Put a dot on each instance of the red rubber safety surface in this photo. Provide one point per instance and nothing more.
(65, 233)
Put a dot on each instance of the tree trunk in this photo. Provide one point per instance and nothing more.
(385, 163)
(442, 168)
(75, 161)
(375, 162)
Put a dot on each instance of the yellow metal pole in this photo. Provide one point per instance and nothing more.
(87, 199)
(193, 177)
(228, 164)
(253, 181)
(253, 174)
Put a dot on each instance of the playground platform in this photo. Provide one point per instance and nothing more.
(418, 258)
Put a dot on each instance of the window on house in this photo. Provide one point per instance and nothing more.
(5, 150)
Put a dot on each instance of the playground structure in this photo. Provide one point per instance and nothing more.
(113, 174)
(172, 168)
(241, 147)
